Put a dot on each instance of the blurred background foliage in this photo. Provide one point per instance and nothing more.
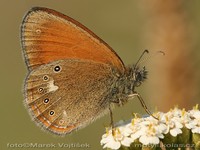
(128, 27)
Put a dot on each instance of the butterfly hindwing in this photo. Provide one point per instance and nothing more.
(67, 94)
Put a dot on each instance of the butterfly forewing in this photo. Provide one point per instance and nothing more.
(67, 94)
(48, 36)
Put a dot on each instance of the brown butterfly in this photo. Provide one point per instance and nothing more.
(74, 76)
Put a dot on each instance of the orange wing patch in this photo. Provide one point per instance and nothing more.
(48, 35)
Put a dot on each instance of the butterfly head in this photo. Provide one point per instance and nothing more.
(126, 84)
(138, 75)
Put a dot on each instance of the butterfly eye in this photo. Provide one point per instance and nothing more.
(45, 78)
(57, 68)
(51, 112)
(46, 100)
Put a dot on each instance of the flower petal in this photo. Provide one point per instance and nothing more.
(127, 141)
(143, 140)
(112, 145)
(175, 131)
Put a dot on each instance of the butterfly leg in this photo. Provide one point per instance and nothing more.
(111, 120)
(111, 117)
(142, 103)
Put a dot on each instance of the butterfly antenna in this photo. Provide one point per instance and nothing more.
(145, 51)
(150, 57)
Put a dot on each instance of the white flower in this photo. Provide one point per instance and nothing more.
(148, 130)
(146, 140)
(176, 112)
(175, 131)
(197, 114)
(125, 130)
(173, 122)
(154, 130)
(109, 142)
(150, 135)
(135, 127)
(158, 124)
(194, 111)
(136, 131)
(194, 124)
(113, 139)
(196, 129)
(185, 119)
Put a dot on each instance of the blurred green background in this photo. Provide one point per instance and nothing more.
(122, 25)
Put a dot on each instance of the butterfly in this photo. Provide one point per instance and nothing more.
(73, 75)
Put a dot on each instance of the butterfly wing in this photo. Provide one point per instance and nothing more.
(68, 94)
(47, 35)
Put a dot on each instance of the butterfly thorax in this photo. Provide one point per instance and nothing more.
(126, 84)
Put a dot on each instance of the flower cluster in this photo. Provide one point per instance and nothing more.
(150, 131)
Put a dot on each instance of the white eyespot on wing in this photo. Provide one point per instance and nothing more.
(52, 87)
(64, 113)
